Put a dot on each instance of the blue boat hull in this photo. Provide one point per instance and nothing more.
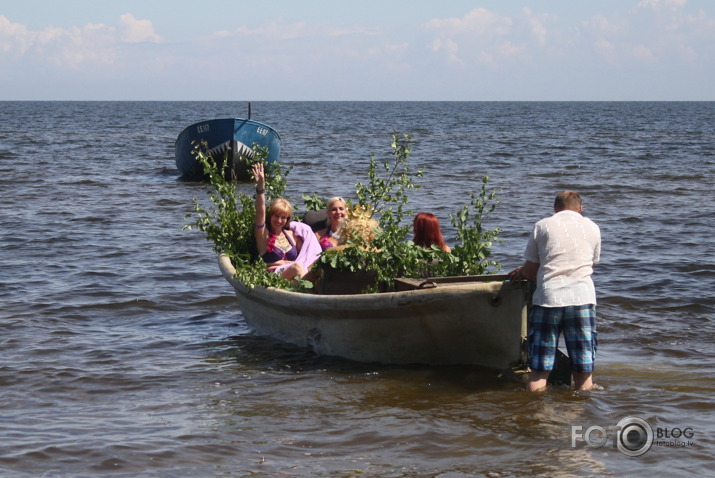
(226, 138)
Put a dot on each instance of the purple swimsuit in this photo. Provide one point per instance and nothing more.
(278, 255)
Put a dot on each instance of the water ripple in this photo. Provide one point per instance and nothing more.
(125, 352)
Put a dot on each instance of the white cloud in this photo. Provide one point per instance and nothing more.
(537, 24)
(303, 56)
(482, 37)
(65, 48)
(471, 39)
(274, 31)
(133, 30)
(688, 53)
(606, 49)
(655, 32)
(308, 50)
(14, 38)
(449, 47)
(77, 47)
(659, 5)
(602, 25)
(508, 49)
(280, 31)
(90, 47)
(643, 54)
(479, 21)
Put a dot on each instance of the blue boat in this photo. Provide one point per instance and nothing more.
(232, 139)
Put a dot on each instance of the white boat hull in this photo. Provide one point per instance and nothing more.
(478, 323)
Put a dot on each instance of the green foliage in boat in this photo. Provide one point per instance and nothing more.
(382, 203)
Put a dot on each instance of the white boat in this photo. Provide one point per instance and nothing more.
(474, 320)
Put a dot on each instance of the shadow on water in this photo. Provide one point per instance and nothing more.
(299, 405)
(270, 355)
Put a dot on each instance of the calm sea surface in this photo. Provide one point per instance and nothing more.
(124, 353)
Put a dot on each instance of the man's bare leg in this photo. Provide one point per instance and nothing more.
(582, 380)
(537, 380)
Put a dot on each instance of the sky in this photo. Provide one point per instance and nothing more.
(367, 50)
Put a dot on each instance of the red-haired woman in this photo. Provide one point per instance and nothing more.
(427, 231)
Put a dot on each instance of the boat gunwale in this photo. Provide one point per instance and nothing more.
(371, 300)
(234, 118)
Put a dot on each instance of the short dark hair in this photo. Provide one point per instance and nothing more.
(567, 200)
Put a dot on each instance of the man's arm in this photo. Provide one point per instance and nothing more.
(526, 272)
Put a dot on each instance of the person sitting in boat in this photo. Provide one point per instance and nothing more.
(337, 212)
(359, 228)
(288, 247)
(427, 231)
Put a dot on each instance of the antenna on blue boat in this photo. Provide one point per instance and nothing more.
(249, 110)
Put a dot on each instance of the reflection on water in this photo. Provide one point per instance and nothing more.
(124, 351)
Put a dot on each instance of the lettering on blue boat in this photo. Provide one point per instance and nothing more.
(262, 131)
(203, 128)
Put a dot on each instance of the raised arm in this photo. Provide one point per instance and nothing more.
(260, 222)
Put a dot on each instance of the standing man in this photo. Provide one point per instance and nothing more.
(559, 256)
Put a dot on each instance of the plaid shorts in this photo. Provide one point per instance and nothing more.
(578, 324)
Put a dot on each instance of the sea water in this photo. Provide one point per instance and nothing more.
(124, 353)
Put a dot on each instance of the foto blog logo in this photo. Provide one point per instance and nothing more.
(632, 436)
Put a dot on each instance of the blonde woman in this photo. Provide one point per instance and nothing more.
(337, 212)
(288, 247)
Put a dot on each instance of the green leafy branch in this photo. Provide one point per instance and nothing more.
(314, 202)
(475, 241)
(228, 223)
(387, 192)
(390, 255)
